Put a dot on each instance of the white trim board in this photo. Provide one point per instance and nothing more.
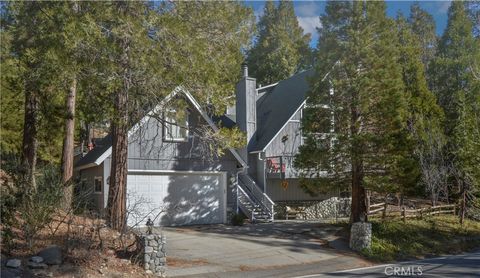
(267, 86)
(138, 171)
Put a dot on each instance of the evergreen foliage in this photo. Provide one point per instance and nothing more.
(458, 90)
(423, 26)
(281, 49)
(359, 80)
(424, 138)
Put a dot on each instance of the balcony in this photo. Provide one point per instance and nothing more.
(281, 167)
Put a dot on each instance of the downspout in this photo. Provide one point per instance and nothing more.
(264, 172)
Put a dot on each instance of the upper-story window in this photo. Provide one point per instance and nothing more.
(175, 127)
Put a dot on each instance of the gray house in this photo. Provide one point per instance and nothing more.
(172, 181)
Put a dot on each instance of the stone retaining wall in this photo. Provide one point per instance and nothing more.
(153, 253)
(333, 207)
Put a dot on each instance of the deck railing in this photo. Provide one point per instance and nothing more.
(281, 167)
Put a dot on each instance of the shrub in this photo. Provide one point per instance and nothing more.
(38, 206)
(238, 219)
(25, 207)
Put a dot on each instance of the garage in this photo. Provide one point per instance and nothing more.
(176, 198)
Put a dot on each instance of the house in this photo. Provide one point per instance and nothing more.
(170, 179)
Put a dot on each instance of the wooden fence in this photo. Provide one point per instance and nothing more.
(404, 213)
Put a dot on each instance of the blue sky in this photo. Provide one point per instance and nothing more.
(308, 13)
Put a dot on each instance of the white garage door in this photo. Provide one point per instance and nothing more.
(176, 199)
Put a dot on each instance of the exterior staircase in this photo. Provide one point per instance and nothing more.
(253, 202)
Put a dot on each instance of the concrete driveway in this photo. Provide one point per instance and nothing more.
(210, 249)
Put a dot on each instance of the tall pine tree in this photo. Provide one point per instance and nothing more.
(459, 95)
(33, 37)
(152, 49)
(281, 49)
(423, 27)
(424, 138)
(358, 86)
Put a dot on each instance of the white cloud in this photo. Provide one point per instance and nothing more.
(308, 9)
(309, 24)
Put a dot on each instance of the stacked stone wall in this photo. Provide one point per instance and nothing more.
(361, 236)
(333, 207)
(152, 254)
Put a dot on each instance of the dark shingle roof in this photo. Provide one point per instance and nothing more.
(101, 146)
(276, 107)
(227, 121)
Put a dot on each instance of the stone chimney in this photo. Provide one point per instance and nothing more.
(246, 108)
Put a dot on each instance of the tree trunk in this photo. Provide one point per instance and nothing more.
(118, 176)
(68, 147)
(117, 199)
(30, 131)
(359, 208)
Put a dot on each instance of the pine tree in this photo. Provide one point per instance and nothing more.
(32, 37)
(11, 98)
(423, 26)
(70, 15)
(473, 8)
(281, 48)
(358, 63)
(425, 139)
(458, 91)
(153, 49)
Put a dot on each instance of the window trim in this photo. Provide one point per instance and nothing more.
(166, 137)
(95, 179)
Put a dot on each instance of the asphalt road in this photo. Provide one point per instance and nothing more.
(464, 265)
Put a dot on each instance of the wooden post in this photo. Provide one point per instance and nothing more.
(404, 214)
(368, 201)
(384, 212)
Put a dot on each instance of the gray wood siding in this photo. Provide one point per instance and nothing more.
(290, 147)
(147, 150)
(88, 175)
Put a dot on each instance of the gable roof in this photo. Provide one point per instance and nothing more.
(101, 146)
(277, 106)
(104, 148)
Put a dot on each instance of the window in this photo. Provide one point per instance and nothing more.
(97, 185)
(176, 126)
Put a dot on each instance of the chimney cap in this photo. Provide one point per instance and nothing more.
(245, 69)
